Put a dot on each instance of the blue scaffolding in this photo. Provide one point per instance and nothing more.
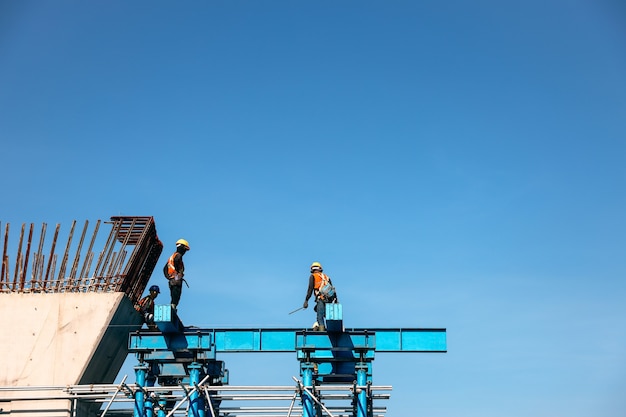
(176, 355)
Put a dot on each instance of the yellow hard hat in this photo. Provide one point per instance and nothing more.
(183, 242)
(316, 265)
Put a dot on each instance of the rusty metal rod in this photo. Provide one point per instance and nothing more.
(120, 263)
(54, 268)
(26, 256)
(123, 247)
(88, 280)
(72, 275)
(135, 288)
(5, 261)
(18, 257)
(37, 262)
(123, 236)
(107, 251)
(84, 273)
(61, 277)
(108, 276)
(52, 257)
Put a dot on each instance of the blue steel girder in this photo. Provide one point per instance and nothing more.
(335, 347)
(176, 353)
(290, 340)
(149, 341)
(293, 339)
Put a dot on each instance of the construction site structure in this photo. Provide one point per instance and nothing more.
(66, 316)
(73, 330)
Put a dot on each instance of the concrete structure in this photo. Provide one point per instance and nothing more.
(52, 339)
(71, 327)
(60, 339)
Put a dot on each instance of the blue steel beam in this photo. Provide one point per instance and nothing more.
(254, 340)
(288, 340)
(148, 341)
(176, 337)
(410, 340)
(346, 346)
(292, 339)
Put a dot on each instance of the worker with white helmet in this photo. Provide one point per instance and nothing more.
(174, 271)
(321, 285)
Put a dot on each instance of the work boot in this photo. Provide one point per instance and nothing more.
(321, 328)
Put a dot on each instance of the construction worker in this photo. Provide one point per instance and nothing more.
(145, 306)
(321, 285)
(174, 271)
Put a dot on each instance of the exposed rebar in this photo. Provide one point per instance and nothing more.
(124, 264)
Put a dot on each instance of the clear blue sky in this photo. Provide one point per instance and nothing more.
(452, 164)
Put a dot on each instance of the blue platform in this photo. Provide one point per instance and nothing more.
(177, 354)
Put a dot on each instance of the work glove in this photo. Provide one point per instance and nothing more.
(306, 304)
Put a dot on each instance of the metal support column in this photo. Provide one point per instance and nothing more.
(140, 379)
(149, 404)
(161, 411)
(196, 402)
(151, 398)
(361, 393)
(308, 409)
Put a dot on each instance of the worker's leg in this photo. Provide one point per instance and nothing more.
(175, 293)
(321, 312)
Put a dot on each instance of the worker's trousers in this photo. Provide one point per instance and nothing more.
(176, 291)
(320, 308)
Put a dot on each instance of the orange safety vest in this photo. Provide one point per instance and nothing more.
(145, 304)
(171, 269)
(321, 279)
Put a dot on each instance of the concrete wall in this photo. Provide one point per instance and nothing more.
(63, 339)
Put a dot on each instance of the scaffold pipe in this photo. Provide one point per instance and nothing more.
(196, 403)
(140, 394)
(361, 393)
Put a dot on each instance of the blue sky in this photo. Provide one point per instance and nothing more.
(451, 164)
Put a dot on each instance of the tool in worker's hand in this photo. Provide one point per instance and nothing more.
(297, 309)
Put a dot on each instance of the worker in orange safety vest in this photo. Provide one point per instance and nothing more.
(321, 285)
(174, 271)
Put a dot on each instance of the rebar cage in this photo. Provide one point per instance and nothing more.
(124, 264)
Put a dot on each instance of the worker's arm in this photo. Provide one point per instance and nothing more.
(309, 291)
(178, 264)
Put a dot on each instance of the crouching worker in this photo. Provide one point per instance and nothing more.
(145, 306)
(320, 285)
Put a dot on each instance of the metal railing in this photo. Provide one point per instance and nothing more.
(117, 400)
